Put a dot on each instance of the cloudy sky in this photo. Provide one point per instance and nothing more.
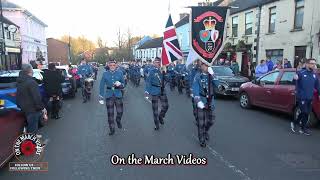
(93, 18)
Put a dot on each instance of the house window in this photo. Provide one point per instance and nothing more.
(249, 23)
(8, 34)
(275, 54)
(235, 26)
(272, 19)
(299, 12)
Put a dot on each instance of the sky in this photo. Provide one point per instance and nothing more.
(94, 18)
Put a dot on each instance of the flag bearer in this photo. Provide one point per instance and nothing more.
(203, 92)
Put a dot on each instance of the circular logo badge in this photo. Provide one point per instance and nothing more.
(28, 148)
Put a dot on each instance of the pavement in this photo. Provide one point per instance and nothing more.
(244, 144)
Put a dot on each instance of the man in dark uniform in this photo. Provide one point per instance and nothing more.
(111, 84)
(171, 75)
(203, 92)
(193, 72)
(155, 87)
(306, 82)
(179, 69)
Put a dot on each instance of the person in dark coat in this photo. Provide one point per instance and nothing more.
(29, 98)
(52, 80)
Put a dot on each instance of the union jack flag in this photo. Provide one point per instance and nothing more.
(170, 47)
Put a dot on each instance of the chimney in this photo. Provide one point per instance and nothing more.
(182, 15)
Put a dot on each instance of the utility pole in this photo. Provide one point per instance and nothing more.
(3, 47)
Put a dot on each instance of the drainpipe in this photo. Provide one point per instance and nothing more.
(258, 34)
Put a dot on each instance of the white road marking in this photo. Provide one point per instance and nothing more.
(226, 162)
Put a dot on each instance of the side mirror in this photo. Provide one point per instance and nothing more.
(262, 83)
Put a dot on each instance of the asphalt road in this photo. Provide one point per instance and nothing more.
(244, 144)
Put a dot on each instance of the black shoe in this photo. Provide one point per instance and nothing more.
(161, 120)
(119, 125)
(112, 131)
(156, 127)
(84, 101)
(203, 144)
(207, 136)
(305, 132)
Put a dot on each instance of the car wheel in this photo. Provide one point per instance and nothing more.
(312, 121)
(244, 100)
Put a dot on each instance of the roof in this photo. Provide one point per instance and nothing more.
(183, 21)
(153, 43)
(57, 41)
(243, 5)
(7, 21)
(144, 40)
(9, 5)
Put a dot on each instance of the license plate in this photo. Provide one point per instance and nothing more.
(1, 102)
(234, 89)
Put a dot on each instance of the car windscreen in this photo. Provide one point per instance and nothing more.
(8, 82)
(222, 71)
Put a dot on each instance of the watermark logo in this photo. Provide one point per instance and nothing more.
(28, 150)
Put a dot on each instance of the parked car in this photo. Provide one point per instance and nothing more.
(69, 86)
(12, 122)
(229, 83)
(8, 84)
(276, 91)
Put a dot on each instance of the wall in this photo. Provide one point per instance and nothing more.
(183, 34)
(284, 37)
(32, 35)
(248, 39)
(57, 51)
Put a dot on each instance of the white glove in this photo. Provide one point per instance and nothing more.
(101, 102)
(210, 71)
(117, 83)
(295, 77)
(200, 105)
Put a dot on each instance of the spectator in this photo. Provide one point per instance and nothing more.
(301, 64)
(227, 63)
(29, 98)
(261, 69)
(235, 67)
(52, 80)
(269, 64)
(221, 62)
(278, 65)
(306, 82)
(251, 70)
(287, 64)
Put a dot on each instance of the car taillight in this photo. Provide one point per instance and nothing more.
(12, 94)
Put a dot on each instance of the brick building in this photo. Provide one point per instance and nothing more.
(58, 51)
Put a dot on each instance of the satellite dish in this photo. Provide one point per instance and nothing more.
(12, 28)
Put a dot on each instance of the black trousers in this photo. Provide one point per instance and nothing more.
(306, 108)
